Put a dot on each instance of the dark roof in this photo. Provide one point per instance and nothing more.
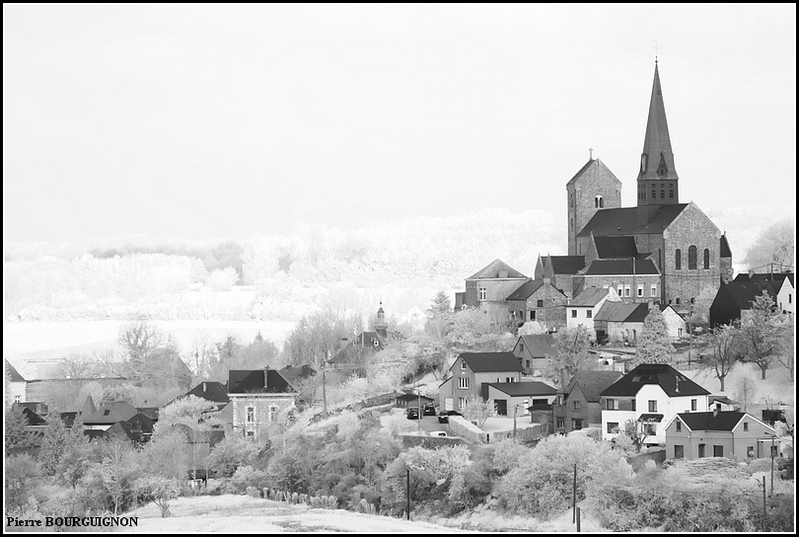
(493, 269)
(111, 413)
(595, 163)
(540, 345)
(32, 418)
(411, 397)
(724, 247)
(210, 391)
(257, 381)
(365, 340)
(483, 362)
(615, 247)
(624, 221)
(743, 293)
(592, 383)
(541, 407)
(657, 143)
(615, 312)
(566, 264)
(120, 429)
(519, 389)
(292, 373)
(589, 297)
(776, 277)
(525, 290)
(711, 421)
(639, 313)
(674, 383)
(604, 267)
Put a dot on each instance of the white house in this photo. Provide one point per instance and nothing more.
(674, 321)
(650, 395)
(583, 308)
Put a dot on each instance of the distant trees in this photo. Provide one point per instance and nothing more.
(571, 345)
(773, 249)
(722, 352)
(654, 346)
(761, 333)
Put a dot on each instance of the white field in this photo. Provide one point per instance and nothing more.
(58, 338)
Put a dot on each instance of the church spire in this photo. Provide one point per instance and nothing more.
(657, 178)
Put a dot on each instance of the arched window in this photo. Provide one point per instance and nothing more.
(692, 257)
(677, 301)
(678, 259)
(599, 202)
(706, 261)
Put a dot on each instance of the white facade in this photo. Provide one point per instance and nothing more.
(663, 404)
(676, 324)
(585, 315)
(785, 297)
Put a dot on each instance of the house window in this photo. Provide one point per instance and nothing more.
(510, 379)
(693, 405)
(462, 403)
(653, 291)
(653, 406)
(529, 365)
(678, 425)
(774, 451)
(611, 404)
(677, 259)
(250, 434)
(679, 452)
(539, 303)
(576, 406)
(626, 290)
(750, 452)
(463, 365)
(706, 259)
(640, 290)
(613, 427)
(561, 423)
(463, 383)
(574, 314)
(632, 405)
(599, 202)
(250, 414)
(272, 413)
(662, 193)
(671, 194)
(521, 347)
(677, 301)
(718, 451)
(649, 429)
(701, 451)
(532, 315)
(589, 314)
(577, 424)
(746, 426)
(692, 257)
(482, 294)
(679, 332)
(621, 290)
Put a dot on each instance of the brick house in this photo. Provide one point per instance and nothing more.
(650, 395)
(257, 398)
(583, 308)
(559, 270)
(488, 288)
(538, 301)
(470, 371)
(534, 352)
(733, 434)
(579, 405)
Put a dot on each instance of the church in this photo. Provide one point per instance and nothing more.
(661, 251)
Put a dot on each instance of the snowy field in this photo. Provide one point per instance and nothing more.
(59, 338)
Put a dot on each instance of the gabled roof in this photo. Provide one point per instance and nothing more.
(484, 362)
(32, 418)
(589, 297)
(539, 345)
(520, 389)
(606, 267)
(671, 381)
(664, 307)
(493, 270)
(111, 413)
(13, 374)
(743, 293)
(565, 264)
(712, 421)
(257, 381)
(621, 312)
(776, 278)
(210, 391)
(293, 374)
(615, 247)
(593, 163)
(724, 247)
(592, 383)
(526, 290)
(624, 221)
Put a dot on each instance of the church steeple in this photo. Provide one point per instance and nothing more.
(657, 177)
(381, 327)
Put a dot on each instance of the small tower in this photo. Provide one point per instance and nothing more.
(380, 326)
(592, 189)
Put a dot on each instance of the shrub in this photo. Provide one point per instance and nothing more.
(247, 477)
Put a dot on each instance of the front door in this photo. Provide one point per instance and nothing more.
(701, 450)
(501, 406)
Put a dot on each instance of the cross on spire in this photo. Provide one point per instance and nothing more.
(656, 50)
(591, 153)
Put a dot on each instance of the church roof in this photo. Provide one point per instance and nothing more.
(605, 267)
(724, 250)
(657, 142)
(623, 221)
(615, 247)
(565, 264)
(592, 163)
(525, 290)
(494, 269)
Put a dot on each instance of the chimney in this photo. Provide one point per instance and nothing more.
(677, 384)
(204, 388)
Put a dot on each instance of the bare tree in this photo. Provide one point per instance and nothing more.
(78, 366)
(140, 338)
(722, 352)
(479, 410)
(761, 332)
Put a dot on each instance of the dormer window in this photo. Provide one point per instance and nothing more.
(463, 366)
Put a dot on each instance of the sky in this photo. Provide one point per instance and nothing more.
(200, 121)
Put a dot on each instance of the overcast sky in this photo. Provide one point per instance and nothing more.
(216, 121)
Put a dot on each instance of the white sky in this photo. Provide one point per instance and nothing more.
(213, 121)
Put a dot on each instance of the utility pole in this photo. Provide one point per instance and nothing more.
(324, 392)
(408, 491)
(765, 514)
(771, 493)
(515, 407)
(578, 520)
(419, 408)
(574, 495)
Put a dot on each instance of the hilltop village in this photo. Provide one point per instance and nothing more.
(590, 365)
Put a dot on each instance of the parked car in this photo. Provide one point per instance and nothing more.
(429, 409)
(438, 433)
(443, 416)
(412, 413)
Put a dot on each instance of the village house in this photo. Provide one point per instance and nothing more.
(212, 391)
(540, 302)
(510, 398)
(578, 406)
(733, 434)
(412, 400)
(257, 398)
(559, 270)
(470, 371)
(534, 351)
(781, 282)
(488, 288)
(650, 395)
(735, 299)
(583, 308)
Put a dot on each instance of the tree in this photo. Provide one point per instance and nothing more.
(17, 436)
(634, 431)
(139, 338)
(572, 346)
(223, 280)
(774, 248)
(479, 410)
(786, 354)
(654, 346)
(117, 392)
(75, 457)
(231, 453)
(439, 316)
(166, 454)
(158, 489)
(21, 474)
(116, 472)
(53, 445)
(722, 352)
(197, 417)
(761, 333)
(78, 366)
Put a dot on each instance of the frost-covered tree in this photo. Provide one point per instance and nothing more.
(761, 333)
(654, 346)
(571, 345)
(479, 410)
(774, 248)
(722, 352)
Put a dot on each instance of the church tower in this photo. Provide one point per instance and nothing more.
(381, 327)
(592, 189)
(657, 177)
